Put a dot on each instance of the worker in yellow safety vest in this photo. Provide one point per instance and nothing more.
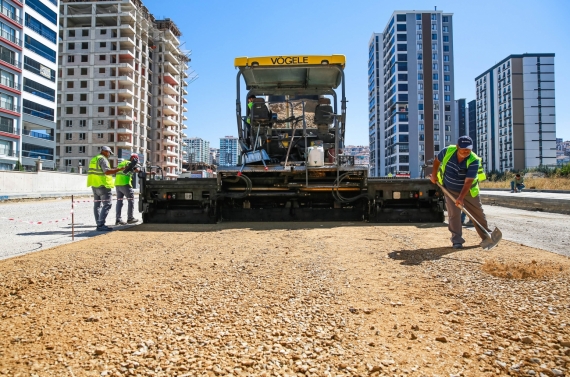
(100, 179)
(124, 187)
(460, 170)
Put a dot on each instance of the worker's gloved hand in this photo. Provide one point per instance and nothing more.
(131, 166)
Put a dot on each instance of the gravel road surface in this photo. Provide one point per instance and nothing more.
(537, 229)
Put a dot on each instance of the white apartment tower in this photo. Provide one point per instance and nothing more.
(515, 117)
(121, 80)
(410, 91)
(28, 63)
(197, 150)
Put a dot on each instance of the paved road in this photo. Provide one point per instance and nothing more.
(19, 236)
(547, 231)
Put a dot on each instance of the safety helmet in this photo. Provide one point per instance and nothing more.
(134, 155)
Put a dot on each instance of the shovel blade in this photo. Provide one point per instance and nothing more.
(493, 240)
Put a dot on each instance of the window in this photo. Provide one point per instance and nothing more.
(99, 136)
(68, 136)
(82, 147)
(401, 27)
(35, 109)
(435, 86)
(420, 97)
(71, 46)
(419, 27)
(434, 46)
(84, 58)
(102, 44)
(446, 29)
(83, 71)
(436, 137)
(445, 58)
(420, 66)
(69, 110)
(434, 37)
(448, 119)
(83, 97)
(83, 110)
(419, 37)
(447, 98)
(103, 31)
(420, 106)
(82, 136)
(433, 26)
(420, 86)
(434, 66)
(447, 88)
(434, 56)
(40, 28)
(436, 76)
(70, 85)
(436, 97)
(102, 57)
(446, 68)
(38, 47)
(43, 10)
(100, 122)
(71, 33)
(82, 123)
(85, 32)
(84, 45)
(419, 56)
(418, 17)
(401, 37)
(70, 71)
(434, 17)
(421, 137)
(69, 123)
(101, 96)
(68, 162)
(420, 76)
(68, 149)
(83, 84)
(447, 107)
(38, 89)
(436, 117)
(445, 19)
(101, 83)
(419, 47)
(421, 127)
(100, 109)
(446, 48)
(70, 58)
(446, 78)
(400, 17)
(101, 70)
(446, 38)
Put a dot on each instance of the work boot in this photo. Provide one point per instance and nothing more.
(132, 221)
(120, 222)
(104, 228)
(458, 246)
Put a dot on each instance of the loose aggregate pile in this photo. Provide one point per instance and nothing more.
(282, 300)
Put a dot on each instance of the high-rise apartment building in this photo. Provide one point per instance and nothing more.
(472, 121)
(28, 61)
(121, 79)
(229, 151)
(214, 156)
(461, 118)
(197, 150)
(516, 124)
(411, 91)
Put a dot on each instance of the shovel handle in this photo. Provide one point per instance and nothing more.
(462, 208)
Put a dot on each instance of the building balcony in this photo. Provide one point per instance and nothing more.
(171, 68)
(184, 91)
(125, 92)
(169, 121)
(169, 110)
(184, 100)
(168, 141)
(125, 115)
(184, 127)
(126, 42)
(125, 128)
(169, 56)
(126, 54)
(184, 117)
(169, 79)
(123, 105)
(9, 129)
(169, 89)
(169, 100)
(167, 131)
(184, 110)
(126, 79)
(171, 153)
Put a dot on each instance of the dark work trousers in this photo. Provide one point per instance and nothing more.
(473, 206)
(125, 194)
(102, 204)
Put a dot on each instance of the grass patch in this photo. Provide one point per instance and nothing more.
(518, 270)
(534, 183)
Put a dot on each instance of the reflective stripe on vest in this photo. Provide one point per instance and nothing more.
(123, 179)
(95, 175)
(481, 176)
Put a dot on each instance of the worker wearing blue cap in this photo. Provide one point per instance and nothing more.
(460, 170)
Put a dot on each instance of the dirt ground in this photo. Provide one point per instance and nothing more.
(284, 300)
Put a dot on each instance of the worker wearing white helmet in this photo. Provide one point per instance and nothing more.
(125, 188)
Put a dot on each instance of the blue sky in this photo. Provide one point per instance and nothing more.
(485, 32)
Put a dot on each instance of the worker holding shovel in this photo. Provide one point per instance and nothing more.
(457, 171)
